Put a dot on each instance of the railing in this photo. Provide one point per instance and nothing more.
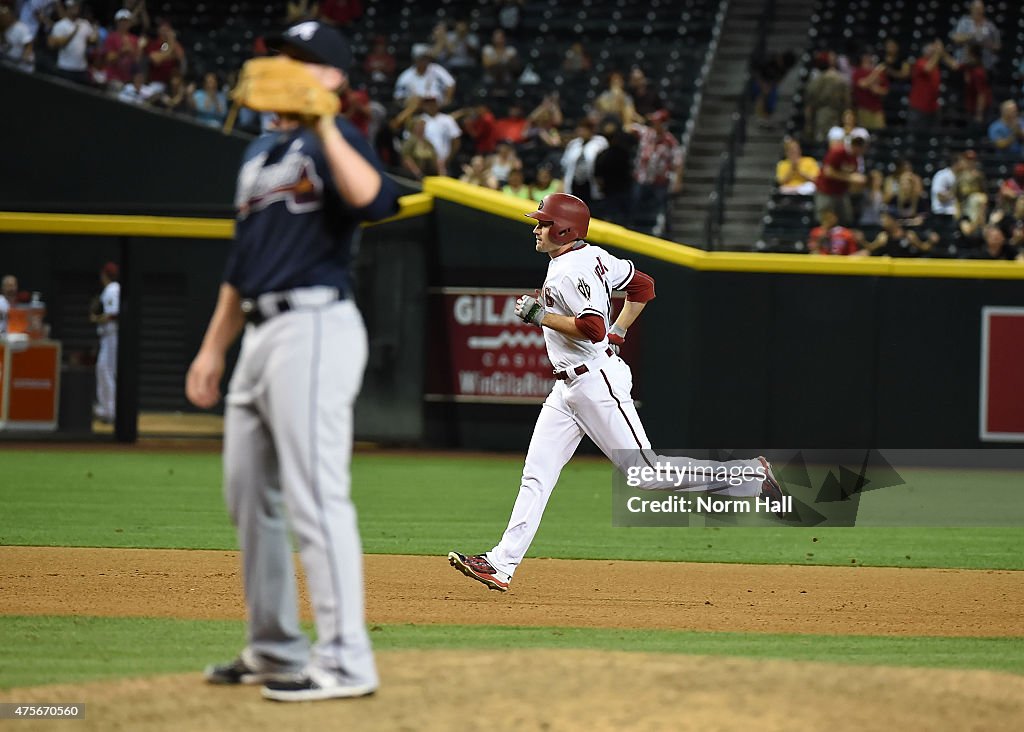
(705, 69)
(737, 138)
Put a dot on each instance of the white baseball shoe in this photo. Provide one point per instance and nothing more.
(315, 684)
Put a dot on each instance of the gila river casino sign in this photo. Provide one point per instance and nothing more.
(481, 352)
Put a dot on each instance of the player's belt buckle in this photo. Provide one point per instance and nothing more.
(579, 370)
(266, 306)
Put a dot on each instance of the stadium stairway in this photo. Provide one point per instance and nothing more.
(755, 163)
(725, 83)
(722, 89)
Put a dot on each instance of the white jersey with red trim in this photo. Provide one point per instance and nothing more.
(579, 283)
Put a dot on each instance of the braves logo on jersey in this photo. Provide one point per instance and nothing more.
(293, 180)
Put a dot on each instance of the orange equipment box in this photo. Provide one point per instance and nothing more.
(29, 384)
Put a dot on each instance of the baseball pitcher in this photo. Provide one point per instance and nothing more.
(303, 190)
(591, 395)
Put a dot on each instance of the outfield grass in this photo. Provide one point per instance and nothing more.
(431, 504)
(90, 648)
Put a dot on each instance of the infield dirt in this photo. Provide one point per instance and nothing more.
(595, 691)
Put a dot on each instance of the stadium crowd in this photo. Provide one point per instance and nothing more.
(618, 154)
(869, 202)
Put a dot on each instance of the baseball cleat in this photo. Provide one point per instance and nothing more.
(477, 567)
(315, 684)
(771, 488)
(243, 671)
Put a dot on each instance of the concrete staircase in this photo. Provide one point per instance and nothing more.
(755, 163)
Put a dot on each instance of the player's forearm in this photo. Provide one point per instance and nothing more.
(565, 325)
(630, 312)
(357, 180)
(227, 321)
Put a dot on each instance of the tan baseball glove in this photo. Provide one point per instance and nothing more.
(283, 85)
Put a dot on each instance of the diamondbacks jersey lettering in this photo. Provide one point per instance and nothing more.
(580, 283)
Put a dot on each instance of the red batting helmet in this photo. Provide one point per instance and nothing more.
(569, 217)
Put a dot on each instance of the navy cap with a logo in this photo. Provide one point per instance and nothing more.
(315, 42)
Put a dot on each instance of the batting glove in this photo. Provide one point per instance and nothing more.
(616, 337)
(530, 310)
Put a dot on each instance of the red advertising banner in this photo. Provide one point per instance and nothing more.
(485, 353)
(1002, 392)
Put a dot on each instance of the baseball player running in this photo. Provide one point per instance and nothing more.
(302, 191)
(591, 395)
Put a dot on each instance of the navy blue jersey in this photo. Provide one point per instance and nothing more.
(293, 229)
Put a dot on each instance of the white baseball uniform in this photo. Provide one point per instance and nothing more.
(106, 359)
(594, 400)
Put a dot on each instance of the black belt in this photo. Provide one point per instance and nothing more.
(579, 370)
(257, 313)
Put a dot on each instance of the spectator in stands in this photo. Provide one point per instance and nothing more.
(478, 125)
(976, 28)
(796, 173)
(500, 61)
(943, 194)
(977, 92)
(766, 73)
(1007, 132)
(544, 183)
(1011, 190)
(576, 59)
(903, 190)
(646, 100)
(8, 297)
(1012, 225)
(379, 63)
(356, 106)
(925, 86)
(39, 17)
(615, 103)
(578, 161)
(516, 185)
(209, 102)
(872, 204)
(174, 97)
(840, 172)
(544, 123)
(70, 37)
(122, 52)
(513, 126)
(996, 246)
(477, 173)
(166, 54)
(895, 241)
(341, 13)
(657, 172)
(503, 162)
(140, 16)
(831, 238)
(300, 10)
(971, 196)
(137, 91)
(418, 154)
(897, 64)
(425, 79)
(870, 86)
(442, 131)
(826, 96)
(844, 132)
(613, 177)
(438, 43)
(463, 47)
(16, 42)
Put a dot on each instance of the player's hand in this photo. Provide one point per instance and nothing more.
(616, 337)
(529, 310)
(202, 384)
